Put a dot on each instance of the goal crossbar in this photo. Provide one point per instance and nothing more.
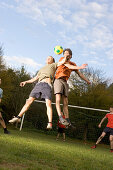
(79, 107)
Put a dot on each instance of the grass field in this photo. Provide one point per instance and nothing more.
(35, 150)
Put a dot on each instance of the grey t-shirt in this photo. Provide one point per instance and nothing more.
(47, 71)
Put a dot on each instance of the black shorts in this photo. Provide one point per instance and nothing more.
(42, 90)
(61, 130)
(108, 130)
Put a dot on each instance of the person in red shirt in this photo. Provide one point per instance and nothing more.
(108, 129)
(61, 86)
(61, 130)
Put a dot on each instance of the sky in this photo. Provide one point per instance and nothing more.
(30, 29)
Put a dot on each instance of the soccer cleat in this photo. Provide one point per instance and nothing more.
(14, 119)
(49, 126)
(70, 126)
(93, 147)
(63, 121)
(6, 132)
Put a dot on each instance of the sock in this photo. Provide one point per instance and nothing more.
(50, 122)
(5, 129)
(68, 120)
(60, 117)
(18, 117)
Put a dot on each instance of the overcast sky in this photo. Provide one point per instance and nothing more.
(30, 29)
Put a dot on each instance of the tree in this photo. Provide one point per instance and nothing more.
(96, 95)
(2, 65)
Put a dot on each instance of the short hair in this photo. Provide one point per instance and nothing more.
(53, 59)
(69, 50)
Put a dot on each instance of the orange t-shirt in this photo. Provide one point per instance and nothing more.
(110, 120)
(63, 71)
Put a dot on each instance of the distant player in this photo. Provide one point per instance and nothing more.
(108, 129)
(1, 118)
(61, 130)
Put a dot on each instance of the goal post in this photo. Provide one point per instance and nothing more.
(71, 106)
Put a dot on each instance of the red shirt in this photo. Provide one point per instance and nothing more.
(61, 125)
(110, 120)
(63, 71)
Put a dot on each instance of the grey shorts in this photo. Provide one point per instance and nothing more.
(61, 87)
(41, 90)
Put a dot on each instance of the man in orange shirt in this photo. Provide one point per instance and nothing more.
(108, 129)
(60, 84)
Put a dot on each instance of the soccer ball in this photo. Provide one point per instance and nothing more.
(58, 49)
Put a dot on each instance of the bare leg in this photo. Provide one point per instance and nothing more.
(58, 98)
(65, 106)
(2, 121)
(100, 138)
(3, 124)
(26, 106)
(57, 136)
(49, 110)
(111, 141)
(64, 136)
(62, 120)
(23, 110)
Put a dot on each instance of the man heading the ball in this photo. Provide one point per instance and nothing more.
(60, 84)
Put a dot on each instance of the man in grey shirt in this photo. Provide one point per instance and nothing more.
(42, 89)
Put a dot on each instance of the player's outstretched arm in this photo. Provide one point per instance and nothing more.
(29, 81)
(72, 67)
(101, 122)
(83, 77)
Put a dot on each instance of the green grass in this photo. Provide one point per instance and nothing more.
(35, 150)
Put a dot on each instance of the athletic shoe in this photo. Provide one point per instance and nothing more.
(63, 121)
(6, 132)
(93, 147)
(49, 126)
(70, 126)
(68, 120)
(15, 119)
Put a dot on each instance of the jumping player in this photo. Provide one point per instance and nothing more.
(60, 84)
(43, 89)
